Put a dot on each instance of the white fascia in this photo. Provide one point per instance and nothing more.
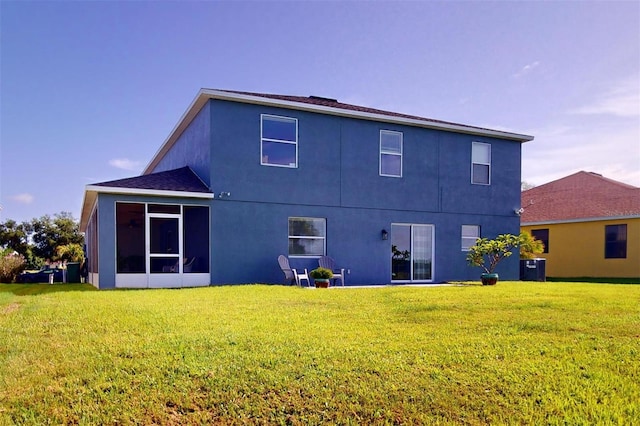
(152, 192)
(587, 219)
(218, 94)
(91, 194)
(204, 95)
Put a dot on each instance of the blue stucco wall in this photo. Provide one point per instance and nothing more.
(192, 148)
(248, 237)
(337, 178)
(338, 165)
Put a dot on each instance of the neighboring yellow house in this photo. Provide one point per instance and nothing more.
(590, 226)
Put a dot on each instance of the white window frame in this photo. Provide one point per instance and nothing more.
(466, 241)
(383, 152)
(323, 238)
(413, 250)
(263, 139)
(474, 161)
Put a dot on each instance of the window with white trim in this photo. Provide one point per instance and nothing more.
(307, 236)
(278, 141)
(481, 163)
(390, 153)
(470, 233)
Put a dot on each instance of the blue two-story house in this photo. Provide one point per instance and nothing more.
(245, 177)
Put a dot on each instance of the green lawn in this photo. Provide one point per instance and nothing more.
(516, 353)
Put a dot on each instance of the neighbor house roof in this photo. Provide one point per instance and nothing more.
(319, 105)
(579, 197)
(182, 182)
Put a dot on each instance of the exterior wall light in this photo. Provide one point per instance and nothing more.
(385, 234)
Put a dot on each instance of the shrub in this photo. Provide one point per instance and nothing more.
(11, 265)
(321, 274)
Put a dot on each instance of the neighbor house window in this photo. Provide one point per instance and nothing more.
(390, 153)
(543, 236)
(615, 241)
(307, 236)
(279, 141)
(481, 163)
(470, 233)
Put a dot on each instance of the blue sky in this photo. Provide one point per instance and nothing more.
(90, 90)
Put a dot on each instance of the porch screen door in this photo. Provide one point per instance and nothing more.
(165, 249)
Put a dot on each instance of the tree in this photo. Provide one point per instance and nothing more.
(530, 248)
(48, 234)
(37, 241)
(526, 185)
(488, 253)
(70, 253)
(14, 236)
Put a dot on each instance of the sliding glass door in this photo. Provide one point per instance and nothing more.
(411, 252)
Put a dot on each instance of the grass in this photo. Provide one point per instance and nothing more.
(516, 353)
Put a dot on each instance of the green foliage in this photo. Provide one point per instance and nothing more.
(488, 253)
(11, 265)
(70, 253)
(530, 248)
(49, 233)
(535, 353)
(399, 254)
(14, 236)
(321, 274)
(37, 241)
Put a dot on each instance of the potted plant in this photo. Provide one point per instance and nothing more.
(321, 277)
(488, 253)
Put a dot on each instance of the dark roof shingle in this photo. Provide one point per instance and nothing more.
(183, 179)
(333, 103)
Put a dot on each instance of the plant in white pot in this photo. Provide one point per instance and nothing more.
(321, 277)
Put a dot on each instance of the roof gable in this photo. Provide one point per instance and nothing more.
(580, 196)
(318, 105)
(181, 182)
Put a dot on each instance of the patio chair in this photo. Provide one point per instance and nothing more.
(291, 275)
(329, 263)
(301, 276)
(188, 267)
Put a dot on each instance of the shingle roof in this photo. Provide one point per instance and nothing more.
(583, 195)
(183, 179)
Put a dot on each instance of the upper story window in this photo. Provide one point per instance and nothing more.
(390, 153)
(615, 242)
(278, 141)
(543, 236)
(307, 236)
(470, 233)
(480, 163)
